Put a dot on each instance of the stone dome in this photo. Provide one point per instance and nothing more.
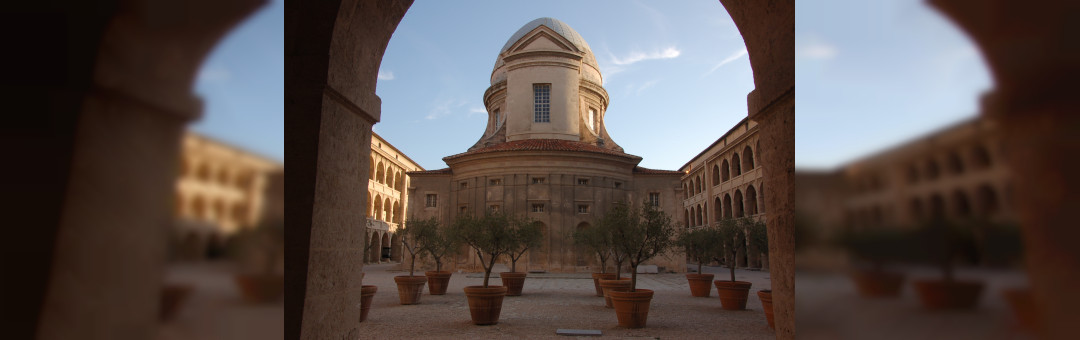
(559, 27)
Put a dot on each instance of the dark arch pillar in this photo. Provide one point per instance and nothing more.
(1031, 51)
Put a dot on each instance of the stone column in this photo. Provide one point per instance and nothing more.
(106, 272)
(1031, 50)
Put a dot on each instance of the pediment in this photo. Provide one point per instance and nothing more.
(543, 39)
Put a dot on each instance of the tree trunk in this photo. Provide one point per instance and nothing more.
(633, 278)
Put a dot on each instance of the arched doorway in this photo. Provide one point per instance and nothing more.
(395, 247)
(384, 249)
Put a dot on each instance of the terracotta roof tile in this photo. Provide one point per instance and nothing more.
(647, 171)
(542, 145)
(431, 172)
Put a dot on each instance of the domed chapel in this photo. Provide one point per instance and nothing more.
(545, 153)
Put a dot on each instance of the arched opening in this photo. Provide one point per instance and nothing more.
(727, 206)
(203, 174)
(932, 171)
(912, 174)
(582, 256)
(371, 169)
(397, 212)
(736, 168)
(963, 208)
(751, 200)
(699, 215)
(199, 209)
(980, 157)
(956, 165)
(397, 180)
(937, 207)
(987, 200)
(749, 155)
(716, 209)
(373, 247)
(223, 176)
(725, 174)
(686, 217)
(389, 180)
(378, 208)
(697, 185)
(388, 213)
(384, 254)
(395, 248)
(380, 175)
(715, 175)
(738, 203)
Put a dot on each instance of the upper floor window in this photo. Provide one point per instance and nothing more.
(538, 207)
(432, 201)
(654, 199)
(463, 209)
(592, 120)
(583, 209)
(538, 180)
(495, 181)
(542, 103)
(494, 209)
(583, 181)
(618, 185)
(498, 119)
(464, 185)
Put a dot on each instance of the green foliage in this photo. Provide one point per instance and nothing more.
(489, 235)
(757, 234)
(940, 242)
(433, 238)
(525, 234)
(878, 246)
(734, 233)
(619, 216)
(700, 245)
(642, 235)
(1001, 243)
(413, 238)
(595, 239)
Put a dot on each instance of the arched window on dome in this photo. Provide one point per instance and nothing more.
(591, 120)
(736, 167)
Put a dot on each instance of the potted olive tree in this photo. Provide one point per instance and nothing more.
(619, 215)
(642, 237)
(596, 240)
(367, 292)
(490, 236)
(411, 286)
(1002, 245)
(875, 249)
(525, 234)
(941, 242)
(260, 250)
(733, 237)
(699, 245)
(437, 243)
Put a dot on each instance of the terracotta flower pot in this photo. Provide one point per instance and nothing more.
(485, 304)
(261, 288)
(621, 284)
(437, 281)
(872, 284)
(596, 277)
(513, 281)
(1023, 307)
(366, 293)
(732, 294)
(937, 294)
(409, 288)
(172, 297)
(766, 304)
(700, 284)
(632, 308)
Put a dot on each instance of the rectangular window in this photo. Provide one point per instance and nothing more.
(618, 185)
(464, 185)
(432, 201)
(498, 119)
(463, 209)
(654, 199)
(592, 119)
(496, 181)
(583, 181)
(538, 207)
(542, 103)
(494, 208)
(538, 180)
(583, 209)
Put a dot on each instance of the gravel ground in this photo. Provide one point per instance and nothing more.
(556, 300)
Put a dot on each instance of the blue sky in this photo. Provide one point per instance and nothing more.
(873, 74)
(676, 72)
(870, 74)
(242, 83)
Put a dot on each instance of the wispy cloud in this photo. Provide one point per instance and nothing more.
(637, 56)
(387, 75)
(476, 110)
(446, 108)
(645, 86)
(812, 47)
(733, 57)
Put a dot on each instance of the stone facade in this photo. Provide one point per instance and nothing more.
(387, 203)
(221, 189)
(545, 154)
(726, 181)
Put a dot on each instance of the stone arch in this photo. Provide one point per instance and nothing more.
(380, 175)
(388, 213)
(697, 185)
(384, 247)
(717, 203)
(203, 172)
(749, 155)
(697, 220)
(371, 169)
(932, 170)
(377, 209)
(765, 25)
(397, 180)
(725, 173)
(397, 212)
(912, 174)
(980, 157)
(751, 200)
(715, 175)
(987, 200)
(198, 208)
(223, 175)
(727, 206)
(395, 248)
(736, 168)
(686, 217)
(738, 203)
(961, 204)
